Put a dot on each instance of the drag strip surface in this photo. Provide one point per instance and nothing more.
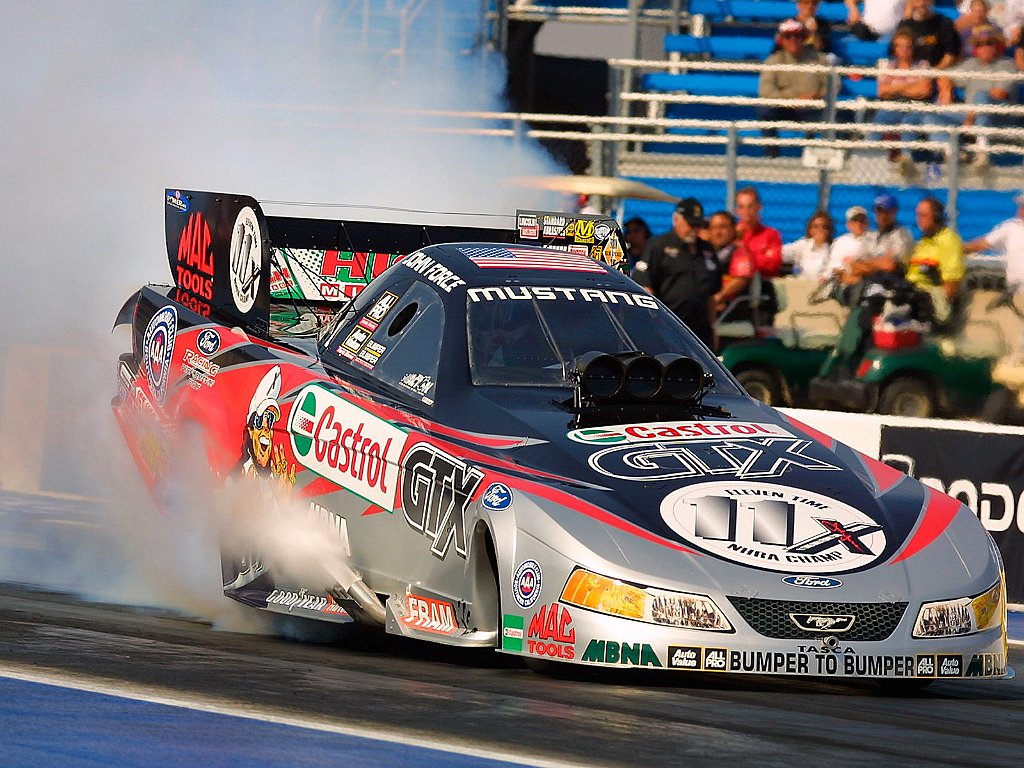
(483, 700)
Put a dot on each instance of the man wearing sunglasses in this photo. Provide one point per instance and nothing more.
(988, 48)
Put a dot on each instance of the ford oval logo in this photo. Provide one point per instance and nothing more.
(497, 497)
(813, 582)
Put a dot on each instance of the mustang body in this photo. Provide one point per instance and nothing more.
(519, 448)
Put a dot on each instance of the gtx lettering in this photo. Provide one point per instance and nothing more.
(740, 458)
(436, 489)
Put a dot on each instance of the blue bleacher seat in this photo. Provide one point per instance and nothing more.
(721, 47)
(850, 50)
(703, 83)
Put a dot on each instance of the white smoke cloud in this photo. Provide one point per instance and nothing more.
(106, 104)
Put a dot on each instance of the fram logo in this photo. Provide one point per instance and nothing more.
(775, 527)
(429, 615)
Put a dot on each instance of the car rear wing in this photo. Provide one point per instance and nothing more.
(230, 261)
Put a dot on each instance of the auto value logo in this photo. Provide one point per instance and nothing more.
(675, 430)
(774, 527)
(346, 444)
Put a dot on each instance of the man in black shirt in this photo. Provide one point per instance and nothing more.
(935, 37)
(681, 270)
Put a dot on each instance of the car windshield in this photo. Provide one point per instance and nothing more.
(528, 335)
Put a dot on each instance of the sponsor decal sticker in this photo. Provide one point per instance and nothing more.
(697, 659)
(625, 654)
(813, 582)
(305, 601)
(602, 230)
(246, 259)
(986, 665)
(526, 257)
(427, 614)
(420, 383)
(526, 583)
(436, 490)
(158, 350)
(355, 340)
(177, 201)
(512, 633)
(347, 445)
(497, 497)
(660, 431)
(925, 666)
(384, 303)
(529, 229)
(774, 527)
(949, 665)
(208, 341)
(551, 633)
(741, 458)
(198, 369)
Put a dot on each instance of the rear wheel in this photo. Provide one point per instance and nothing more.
(907, 397)
(761, 384)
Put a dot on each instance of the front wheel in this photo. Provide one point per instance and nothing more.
(907, 397)
(762, 385)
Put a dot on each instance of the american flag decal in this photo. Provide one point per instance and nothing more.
(510, 257)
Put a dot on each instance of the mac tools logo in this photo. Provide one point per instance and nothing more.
(774, 527)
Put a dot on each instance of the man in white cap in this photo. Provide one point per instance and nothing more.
(795, 86)
(1008, 239)
(857, 244)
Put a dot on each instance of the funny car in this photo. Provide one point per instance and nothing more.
(517, 447)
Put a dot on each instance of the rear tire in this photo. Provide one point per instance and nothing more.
(907, 397)
(761, 384)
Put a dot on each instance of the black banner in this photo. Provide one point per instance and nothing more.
(985, 471)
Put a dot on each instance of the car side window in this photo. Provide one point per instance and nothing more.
(397, 340)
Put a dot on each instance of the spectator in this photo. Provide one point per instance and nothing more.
(819, 31)
(637, 233)
(856, 245)
(935, 37)
(901, 82)
(892, 240)
(937, 264)
(681, 270)
(758, 253)
(721, 233)
(976, 14)
(782, 84)
(878, 19)
(810, 256)
(893, 243)
(988, 45)
(1013, 22)
(1008, 238)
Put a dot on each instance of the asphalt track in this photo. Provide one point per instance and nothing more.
(86, 683)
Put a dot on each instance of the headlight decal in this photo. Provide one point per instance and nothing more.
(613, 597)
(962, 616)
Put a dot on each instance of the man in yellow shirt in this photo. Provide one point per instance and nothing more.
(937, 264)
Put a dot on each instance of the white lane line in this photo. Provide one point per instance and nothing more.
(200, 703)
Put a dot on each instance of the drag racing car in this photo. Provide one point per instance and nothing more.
(515, 446)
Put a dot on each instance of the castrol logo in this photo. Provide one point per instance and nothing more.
(346, 444)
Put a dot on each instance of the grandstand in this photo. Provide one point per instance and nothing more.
(703, 138)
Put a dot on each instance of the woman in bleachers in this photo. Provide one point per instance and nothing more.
(810, 256)
(819, 31)
(976, 15)
(901, 82)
